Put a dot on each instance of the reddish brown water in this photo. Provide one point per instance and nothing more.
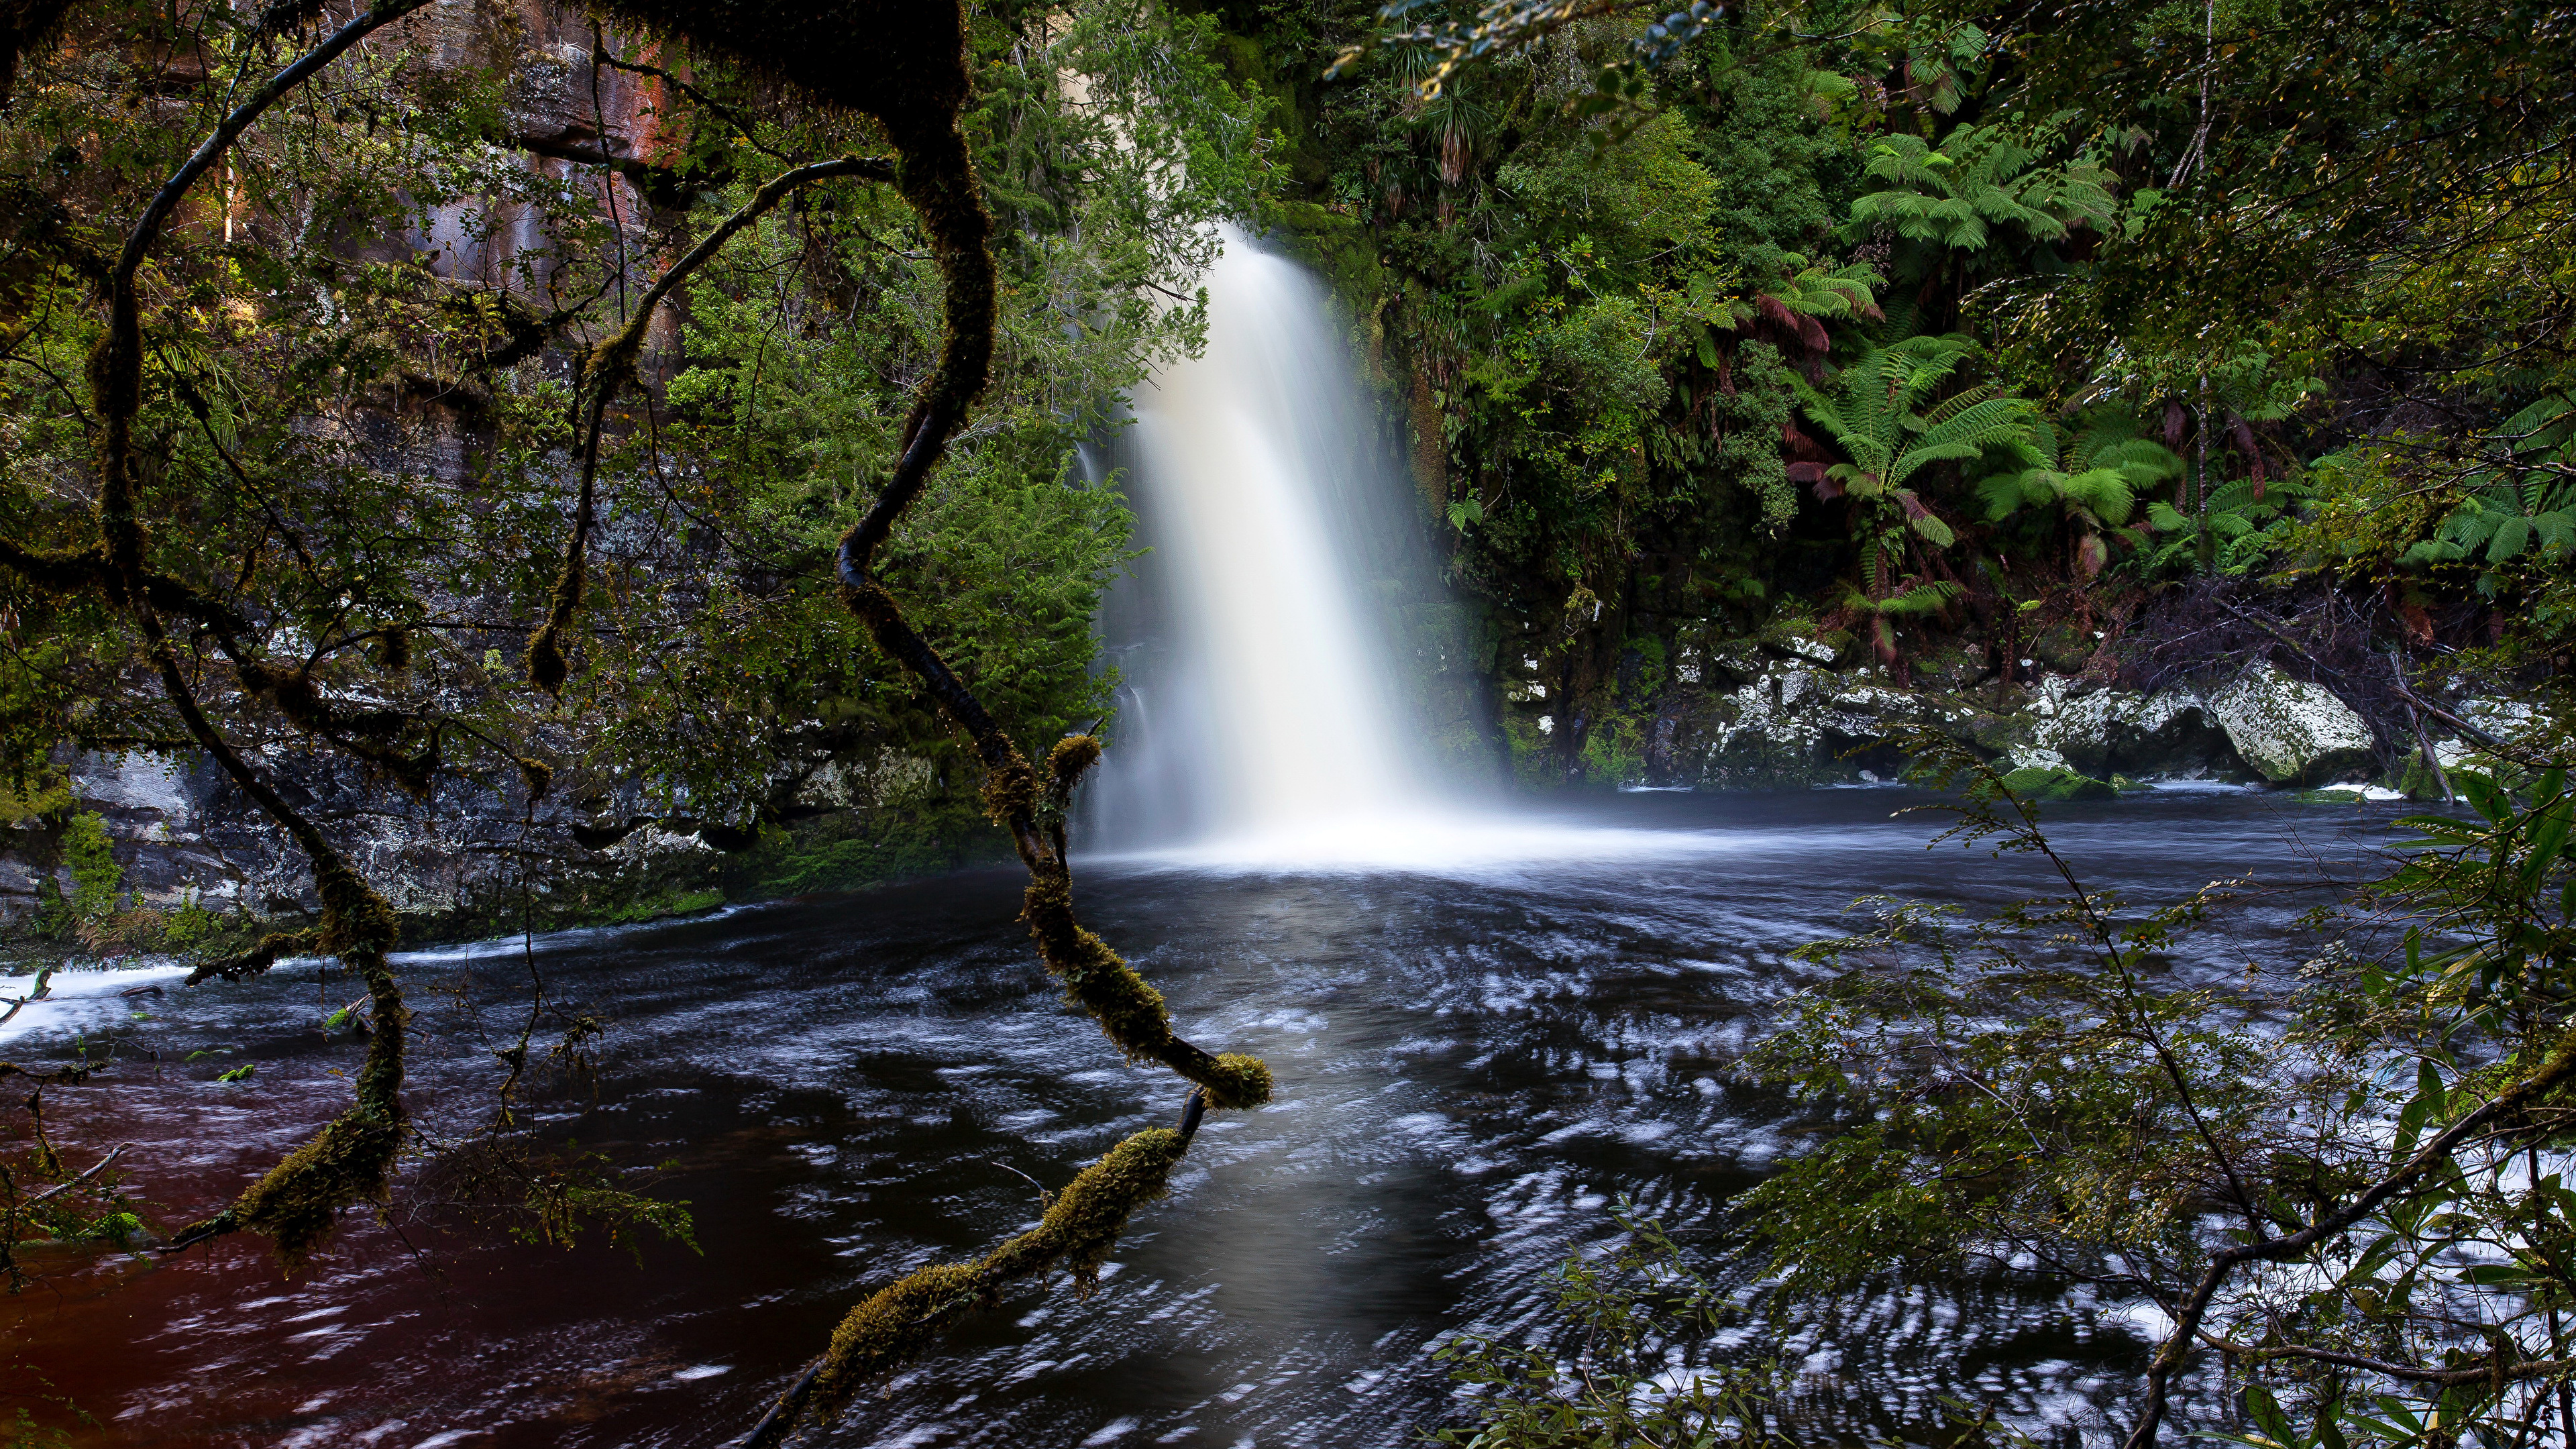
(1472, 1066)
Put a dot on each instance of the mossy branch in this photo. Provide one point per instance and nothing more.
(352, 1159)
(241, 966)
(918, 95)
(902, 1320)
(611, 365)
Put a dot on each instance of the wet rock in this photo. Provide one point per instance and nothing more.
(2292, 732)
(2115, 732)
(2064, 648)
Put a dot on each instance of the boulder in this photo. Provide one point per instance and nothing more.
(2114, 732)
(2290, 731)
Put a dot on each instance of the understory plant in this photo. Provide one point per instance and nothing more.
(2341, 1177)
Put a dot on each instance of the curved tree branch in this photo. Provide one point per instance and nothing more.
(612, 364)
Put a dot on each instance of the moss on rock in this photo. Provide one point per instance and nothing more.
(2035, 783)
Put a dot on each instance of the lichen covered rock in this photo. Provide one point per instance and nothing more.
(2290, 731)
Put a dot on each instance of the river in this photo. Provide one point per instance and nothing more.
(1474, 1059)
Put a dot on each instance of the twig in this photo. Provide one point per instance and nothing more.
(95, 1169)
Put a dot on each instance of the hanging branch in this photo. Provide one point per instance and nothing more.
(352, 1158)
(905, 1318)
(612, 364)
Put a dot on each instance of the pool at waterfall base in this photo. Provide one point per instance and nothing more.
(1480, 1050)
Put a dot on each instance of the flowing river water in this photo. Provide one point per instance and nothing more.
(1474, 1064)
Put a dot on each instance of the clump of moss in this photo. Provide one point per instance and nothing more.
(1130, 1011)
(255, 961)
(895, 1324)
(1239, 1081)
(900, 1321)
(2033, 782)
(1010, 791)
(297, 1201)
(1071, 759)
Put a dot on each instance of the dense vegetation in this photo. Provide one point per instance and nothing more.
(488, 413)
(2119, 311)
(1949, 330)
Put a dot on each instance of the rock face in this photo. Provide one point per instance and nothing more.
(467, 862)
(1781, 713)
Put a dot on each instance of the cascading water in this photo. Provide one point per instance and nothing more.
(1264, 723)
(1274, 515)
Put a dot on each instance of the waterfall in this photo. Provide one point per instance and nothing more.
(1265, 707)
(1267, 640)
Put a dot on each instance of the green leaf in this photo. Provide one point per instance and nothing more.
(2267, 1416)
(2484, 795)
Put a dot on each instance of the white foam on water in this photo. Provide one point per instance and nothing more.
(78, 1000)
(1430, 842)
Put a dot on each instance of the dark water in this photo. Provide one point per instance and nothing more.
(1472, 1065)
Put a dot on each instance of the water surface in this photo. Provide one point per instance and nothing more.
(1476, 1056)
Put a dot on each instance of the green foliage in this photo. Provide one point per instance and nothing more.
(1878, 615)
(2522, 503)
(97, 879)
(2242, 526)
(2088, 474)
(1980, 199)
(2021, 1088)
(2038, 783)
(1882, 412)
(44, 790)
(190, 926)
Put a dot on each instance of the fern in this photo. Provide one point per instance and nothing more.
(1978, 184)
(2088, 476)
(2524, 501)
(1886, 412)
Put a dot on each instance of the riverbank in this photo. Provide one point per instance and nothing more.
(139, 857)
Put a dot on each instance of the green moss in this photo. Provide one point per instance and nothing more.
(852, 850)
(2034, 783)
(97, 879)
(298, 1200)
(1614, 751)
(895, 1324)
(1239, 1081)
(1081, 1227)
(191, 926)
(1535, 764)
(665, 904)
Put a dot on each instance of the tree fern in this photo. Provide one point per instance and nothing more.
(1885, 412)
(1977, 190)
(2524, 501)
(2087, 474)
